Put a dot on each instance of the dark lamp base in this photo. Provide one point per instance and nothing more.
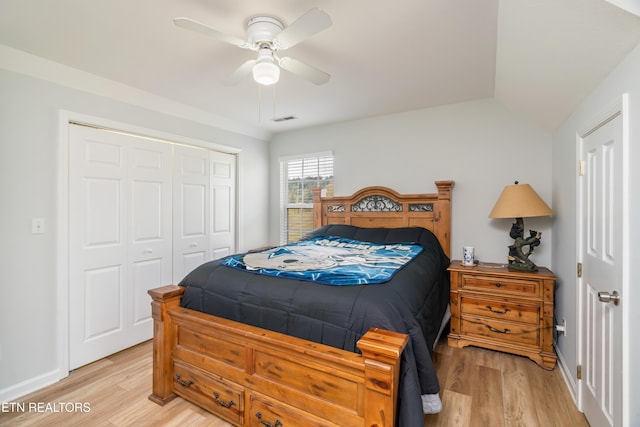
(518, 257)
(528, 266)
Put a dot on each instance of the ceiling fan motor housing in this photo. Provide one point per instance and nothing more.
(263, 29)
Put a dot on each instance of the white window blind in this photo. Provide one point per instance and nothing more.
(298, 175)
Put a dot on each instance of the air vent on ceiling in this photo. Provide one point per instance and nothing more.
(284, 119)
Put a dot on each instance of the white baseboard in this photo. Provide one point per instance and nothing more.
(569, 378)
(19, 390)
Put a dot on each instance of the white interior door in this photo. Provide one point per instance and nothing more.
(601, 233)
(119, 236)
(223, 185)
(150, 218)
(191, 210)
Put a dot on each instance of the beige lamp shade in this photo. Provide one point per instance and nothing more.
(519, 201)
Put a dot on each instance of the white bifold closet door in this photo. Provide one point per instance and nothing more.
(141, 215)
(120, 239)
(191, 189)
(223, 214)
(204, 208)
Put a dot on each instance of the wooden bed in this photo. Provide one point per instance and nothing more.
(250, 376)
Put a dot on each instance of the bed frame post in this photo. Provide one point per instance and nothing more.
(163, 299)
(442, 225)
(317, 207)
(381, 350)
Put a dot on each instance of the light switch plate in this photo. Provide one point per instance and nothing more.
(37, 225)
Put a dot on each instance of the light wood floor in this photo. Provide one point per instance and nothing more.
(479, 388)
(487, 388)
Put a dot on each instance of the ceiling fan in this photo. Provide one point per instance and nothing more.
(268, 36)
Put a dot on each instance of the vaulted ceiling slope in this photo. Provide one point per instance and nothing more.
(538, 57)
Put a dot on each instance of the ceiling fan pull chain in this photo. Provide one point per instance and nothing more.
(259, 103)
(273, 102)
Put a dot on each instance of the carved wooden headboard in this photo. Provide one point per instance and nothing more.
(383, 207)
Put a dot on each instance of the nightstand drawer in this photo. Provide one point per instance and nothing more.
(501, 310)
(512, 333)
(496, 284)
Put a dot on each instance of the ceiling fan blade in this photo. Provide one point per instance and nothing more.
(312, 22)
(190, 24)
(240, 73)
(303, 70)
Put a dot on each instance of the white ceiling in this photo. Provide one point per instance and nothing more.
(538, 57)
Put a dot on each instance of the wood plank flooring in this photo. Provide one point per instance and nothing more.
(479, 388)
(488, 388)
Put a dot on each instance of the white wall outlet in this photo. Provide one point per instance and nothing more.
(37, 225)
(562, 328)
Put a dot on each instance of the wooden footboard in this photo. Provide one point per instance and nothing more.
(250, 376)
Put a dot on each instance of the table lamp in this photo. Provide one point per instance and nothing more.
(521, 201)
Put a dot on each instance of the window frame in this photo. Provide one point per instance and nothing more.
(285, 204)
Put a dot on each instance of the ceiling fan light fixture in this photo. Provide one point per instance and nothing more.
(265, 71)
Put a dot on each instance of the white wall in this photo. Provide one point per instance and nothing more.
(623, 80)
(28, 149)
(479, 144)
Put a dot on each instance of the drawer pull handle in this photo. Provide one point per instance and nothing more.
(498, 285)
(491, 309)
(221, 402)
(183, 383)
(276, 424)
(492, 329)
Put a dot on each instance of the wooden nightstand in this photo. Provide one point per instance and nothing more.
(501, 309)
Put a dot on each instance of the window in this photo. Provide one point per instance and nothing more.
(298, 175)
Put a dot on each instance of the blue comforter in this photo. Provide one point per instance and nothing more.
(330, 260)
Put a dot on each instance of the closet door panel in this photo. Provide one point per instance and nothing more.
(98, 205)
(191, 209)
(223, 191)
(150, 245)
(119, 236)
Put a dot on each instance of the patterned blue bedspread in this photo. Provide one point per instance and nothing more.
(329, 260)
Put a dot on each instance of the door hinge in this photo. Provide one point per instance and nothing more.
(580, 167)
(579, 269)
(579, 372)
